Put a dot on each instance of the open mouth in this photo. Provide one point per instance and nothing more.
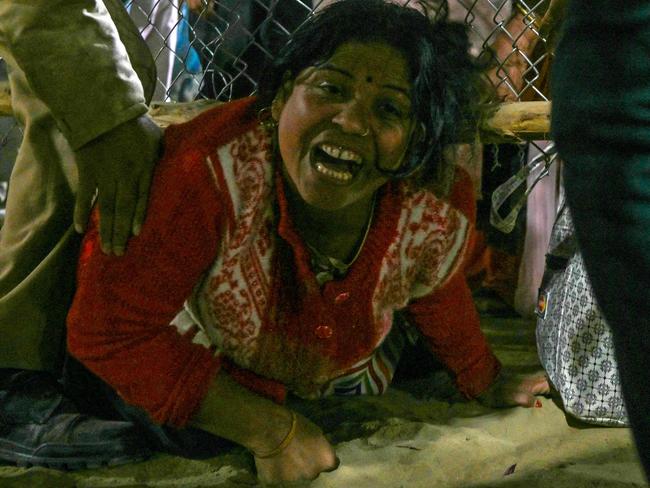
(336, 163)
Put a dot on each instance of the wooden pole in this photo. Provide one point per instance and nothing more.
(505, 122)
(516, 122)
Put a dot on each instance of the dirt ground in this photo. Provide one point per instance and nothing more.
(411, 437)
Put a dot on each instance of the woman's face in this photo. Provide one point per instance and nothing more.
(340, 120)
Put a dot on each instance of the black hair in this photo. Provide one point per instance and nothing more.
(445, 78)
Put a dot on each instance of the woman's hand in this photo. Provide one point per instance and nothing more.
(307, 455)
(515, 390)
(264, 427)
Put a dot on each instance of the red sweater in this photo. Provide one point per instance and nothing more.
(218, 278)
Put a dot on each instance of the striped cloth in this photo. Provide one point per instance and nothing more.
(372, 375)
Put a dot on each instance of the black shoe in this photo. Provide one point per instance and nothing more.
(40, 427)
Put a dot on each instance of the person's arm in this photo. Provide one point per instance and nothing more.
(462, 195)
(287, 446)
(119, 324)
(75, 62)
(199, 5)
(449, 323)
(446, 315)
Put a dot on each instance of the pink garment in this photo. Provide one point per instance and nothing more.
(541, 209)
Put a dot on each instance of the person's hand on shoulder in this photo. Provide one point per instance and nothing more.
(307, 454)
(118, 165)
(510, 390)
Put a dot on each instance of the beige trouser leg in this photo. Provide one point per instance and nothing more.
(38, 247)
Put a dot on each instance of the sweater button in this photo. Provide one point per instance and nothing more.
(323, 332)
(342, 297)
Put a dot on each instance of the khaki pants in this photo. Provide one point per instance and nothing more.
(38, 246)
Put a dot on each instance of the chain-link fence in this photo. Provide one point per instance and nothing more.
(217, 49)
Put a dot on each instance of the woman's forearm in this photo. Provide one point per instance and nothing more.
(235, 413)
(286, 447)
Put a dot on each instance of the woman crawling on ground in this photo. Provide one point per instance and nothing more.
(295, 239)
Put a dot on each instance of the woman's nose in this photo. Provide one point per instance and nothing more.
(353, 117)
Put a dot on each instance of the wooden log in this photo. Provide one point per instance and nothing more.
(166, 113)
(516, 122)
(505, 122)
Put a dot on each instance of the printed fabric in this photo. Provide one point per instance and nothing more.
(573, 340)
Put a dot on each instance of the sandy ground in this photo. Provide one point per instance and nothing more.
(412, 437)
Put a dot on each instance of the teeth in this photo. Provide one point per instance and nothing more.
(338, 175)
(339, 153)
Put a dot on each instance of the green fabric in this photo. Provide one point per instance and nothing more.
(601, 124)
(73, 53)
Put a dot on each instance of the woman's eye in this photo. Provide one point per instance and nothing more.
(330, 88)
(392, 110)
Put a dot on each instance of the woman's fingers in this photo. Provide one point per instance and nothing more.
(524, 390)
(523, 399)
(335, 466)
(537, 383)
(516, 390)
(296, 469)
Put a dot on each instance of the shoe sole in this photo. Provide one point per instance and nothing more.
(24, 460)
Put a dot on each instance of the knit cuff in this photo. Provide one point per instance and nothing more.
(479, 376)
(265, 387)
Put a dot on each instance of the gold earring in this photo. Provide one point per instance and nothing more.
(276, 108)
(265, 117)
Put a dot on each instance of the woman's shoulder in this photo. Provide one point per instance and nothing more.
(211, 129)
(437, 223)
(434, 232)
(186, 164)
(461, 196)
